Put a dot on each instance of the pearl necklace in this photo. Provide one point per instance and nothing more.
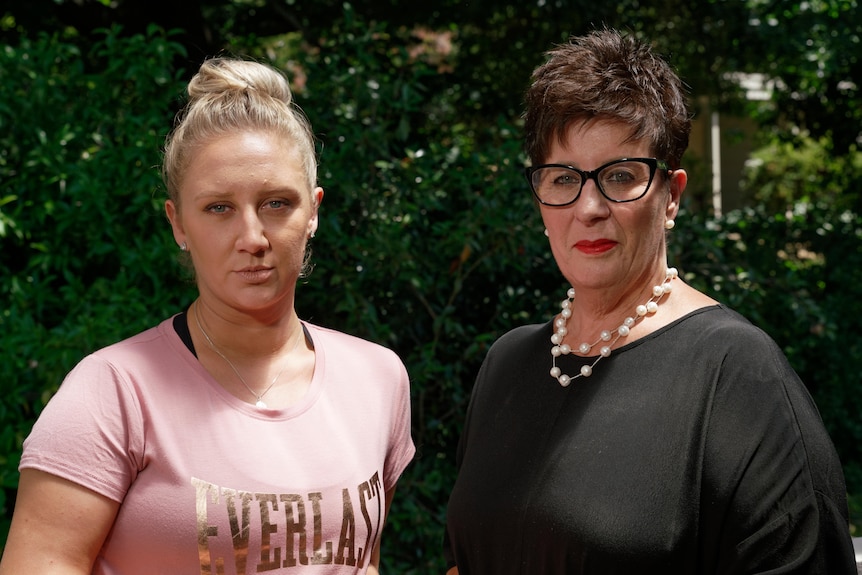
(259, 403)
(559, 348)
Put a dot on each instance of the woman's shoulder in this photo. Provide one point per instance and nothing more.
(347, 343)
(518, 344)
(154, 340)
(148, 356)
(720, 322)
(525, 333)
(720, 336)
(693, 310)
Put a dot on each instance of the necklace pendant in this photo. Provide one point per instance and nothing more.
(260, 404)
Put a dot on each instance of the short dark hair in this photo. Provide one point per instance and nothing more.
(607, 75)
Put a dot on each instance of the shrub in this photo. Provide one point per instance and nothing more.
(85, 257)
(429, 242)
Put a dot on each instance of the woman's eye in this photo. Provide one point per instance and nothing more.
(619, 177)
(567, 180)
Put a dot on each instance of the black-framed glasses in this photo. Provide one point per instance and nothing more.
(624, 180)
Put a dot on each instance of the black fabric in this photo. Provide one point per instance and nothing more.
(694, 450)
(181, 326)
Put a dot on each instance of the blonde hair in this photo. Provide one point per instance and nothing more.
(229, 95)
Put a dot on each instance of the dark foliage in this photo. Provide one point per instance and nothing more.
(429, 242)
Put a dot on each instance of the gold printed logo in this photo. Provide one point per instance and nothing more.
(287, 528)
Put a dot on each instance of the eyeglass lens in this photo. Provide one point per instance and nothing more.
(619, 181)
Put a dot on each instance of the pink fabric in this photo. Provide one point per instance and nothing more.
(210, 484)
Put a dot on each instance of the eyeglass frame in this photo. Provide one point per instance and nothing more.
(654, 163)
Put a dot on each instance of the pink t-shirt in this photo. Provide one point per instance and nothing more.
(211, 484)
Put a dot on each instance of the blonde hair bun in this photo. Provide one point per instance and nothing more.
(227, 96)
(222, 76)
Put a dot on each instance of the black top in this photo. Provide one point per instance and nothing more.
(693, 450)
(181, 326)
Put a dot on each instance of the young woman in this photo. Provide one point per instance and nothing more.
(233, 437)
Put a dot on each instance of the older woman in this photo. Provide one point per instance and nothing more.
(647, 428)
(232, 438)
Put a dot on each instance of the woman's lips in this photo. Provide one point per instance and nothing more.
(595, 247)
(255, 274)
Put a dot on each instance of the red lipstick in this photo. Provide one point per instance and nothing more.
(595, 247)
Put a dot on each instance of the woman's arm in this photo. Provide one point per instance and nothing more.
(374, 564)
(58, 526)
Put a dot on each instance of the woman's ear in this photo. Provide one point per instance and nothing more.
(316, 199)
(173, 214)
(678, 181)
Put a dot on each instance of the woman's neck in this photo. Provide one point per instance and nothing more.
(595, 310)
(246, 335)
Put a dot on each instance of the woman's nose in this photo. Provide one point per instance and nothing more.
(591, 204)
(252, 234)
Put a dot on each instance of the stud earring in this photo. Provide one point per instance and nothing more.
(669, 224)
(311, 236)
(184, 247)
(547, 235)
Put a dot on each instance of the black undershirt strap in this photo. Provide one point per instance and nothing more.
(181, 326)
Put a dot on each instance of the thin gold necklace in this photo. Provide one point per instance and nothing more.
(259, 403)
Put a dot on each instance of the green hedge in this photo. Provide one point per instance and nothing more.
(85, 256)
(428, 243)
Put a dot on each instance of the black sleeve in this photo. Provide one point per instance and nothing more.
(774, 498)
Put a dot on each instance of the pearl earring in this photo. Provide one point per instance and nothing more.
(668, 225)
(547, 235)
